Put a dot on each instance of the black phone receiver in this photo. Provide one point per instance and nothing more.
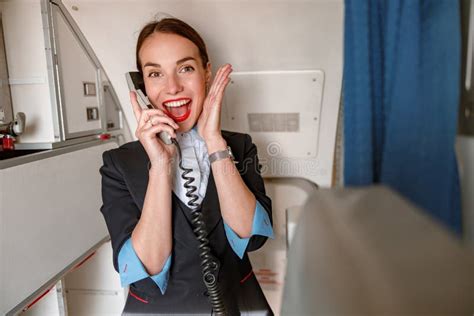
(136, 84)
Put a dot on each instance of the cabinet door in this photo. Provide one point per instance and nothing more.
(111, 104)
(6, 112)
(78, 81)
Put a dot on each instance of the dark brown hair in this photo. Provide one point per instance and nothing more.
(172, 26)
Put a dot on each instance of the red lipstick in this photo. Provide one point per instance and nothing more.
(178, 113)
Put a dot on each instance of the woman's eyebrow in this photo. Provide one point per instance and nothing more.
(182, 60)
(150, 64)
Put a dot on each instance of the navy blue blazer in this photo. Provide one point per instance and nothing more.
(124, 183)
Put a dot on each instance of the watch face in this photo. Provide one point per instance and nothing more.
(229, 150)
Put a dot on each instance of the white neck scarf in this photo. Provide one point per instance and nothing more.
(195, 157)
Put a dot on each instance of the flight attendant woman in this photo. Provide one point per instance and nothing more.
(145, 203)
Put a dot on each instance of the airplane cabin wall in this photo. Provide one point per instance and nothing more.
(251, 35)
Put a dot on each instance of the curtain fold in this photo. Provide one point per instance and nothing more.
(401, 95)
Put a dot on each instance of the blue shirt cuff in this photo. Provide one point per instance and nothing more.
(261, 226)
(131, 268)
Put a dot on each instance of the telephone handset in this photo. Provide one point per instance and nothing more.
(136, 84)
(210, 265)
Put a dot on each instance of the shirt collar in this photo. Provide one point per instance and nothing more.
(190, 137)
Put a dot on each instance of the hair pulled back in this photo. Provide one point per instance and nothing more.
(172, 26)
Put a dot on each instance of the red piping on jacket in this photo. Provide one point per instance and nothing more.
(137, 297)
(246, 277)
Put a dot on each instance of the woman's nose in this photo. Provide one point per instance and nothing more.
(174, 85)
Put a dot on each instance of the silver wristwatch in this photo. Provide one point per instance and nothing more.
(218, 155)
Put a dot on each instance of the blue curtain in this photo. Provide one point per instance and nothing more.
(401, 92)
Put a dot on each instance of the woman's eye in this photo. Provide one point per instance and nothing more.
(187, 69)
(155, 74)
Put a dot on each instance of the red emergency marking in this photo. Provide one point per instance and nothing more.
(104, 136)
(246, 277)
(37, 299)
(8, 143)
(82, 262)
(137, 297)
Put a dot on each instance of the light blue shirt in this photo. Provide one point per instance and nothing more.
(195, 156)
(132, 269)
(261, 226)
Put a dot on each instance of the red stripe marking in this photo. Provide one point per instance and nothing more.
(246, 277)
(137, 297)
(37, 299)
(82, 262)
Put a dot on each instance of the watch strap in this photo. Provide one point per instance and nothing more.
(221, 154)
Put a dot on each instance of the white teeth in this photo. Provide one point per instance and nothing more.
(176, 103)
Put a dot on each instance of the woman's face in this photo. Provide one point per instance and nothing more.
(175, 79)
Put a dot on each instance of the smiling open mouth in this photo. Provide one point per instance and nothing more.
(179, 109)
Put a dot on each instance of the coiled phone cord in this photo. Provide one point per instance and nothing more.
(209, 264)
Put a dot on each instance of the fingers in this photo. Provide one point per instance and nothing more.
(216, 93)
(149, 131)
(220, 91)
(153, 121)
(136, 107)
(156, 119)
(145, 115)
(155, 116)
(156, 124)
(152, 131)
(220, 80)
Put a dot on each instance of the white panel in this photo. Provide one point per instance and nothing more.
(368, 251)
(269, 262)
(5, 97)
(76, 68)
(277, 92)
(465, 149)
(50, 217)
(94, 288)
(110, 103)
(24, 45)
(46, 306)
(251, 35)
(29, 80)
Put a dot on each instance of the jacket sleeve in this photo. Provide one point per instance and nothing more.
(249, 169)
(260, 226)
(118, 207)
(132, 269)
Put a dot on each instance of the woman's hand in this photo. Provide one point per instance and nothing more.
(209, 123)
(150, 122)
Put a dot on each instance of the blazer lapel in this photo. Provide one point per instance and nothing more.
(210, 207)
(135, 170)
(134, 166)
